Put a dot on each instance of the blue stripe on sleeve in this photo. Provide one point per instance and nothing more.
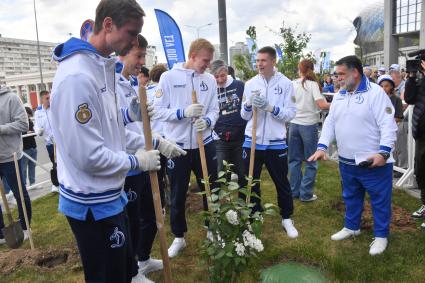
(384, 148)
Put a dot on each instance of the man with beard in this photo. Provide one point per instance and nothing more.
(361, 119)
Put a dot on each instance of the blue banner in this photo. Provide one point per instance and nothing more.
(171, 38)
(279, 52)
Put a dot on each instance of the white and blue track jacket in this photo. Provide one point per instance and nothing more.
(271, 127)
(88, 126)
(361, 122)
(42, 119)
(174, 94)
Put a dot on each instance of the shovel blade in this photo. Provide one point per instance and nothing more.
(13, 235)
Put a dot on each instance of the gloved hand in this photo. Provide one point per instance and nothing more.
(262, 103)
(193, 110)
(200, 124)
(169, 148)
(134, 109)
(148, 160)
(248, 102)
(40, 131)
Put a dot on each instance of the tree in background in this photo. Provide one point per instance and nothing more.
(292, 46)
(243, 61)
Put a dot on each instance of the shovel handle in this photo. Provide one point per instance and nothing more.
(147, 131)
(6, 205)
(203, 158)
(21, 193)
(252, 153)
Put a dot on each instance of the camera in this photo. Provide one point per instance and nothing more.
(414, 65)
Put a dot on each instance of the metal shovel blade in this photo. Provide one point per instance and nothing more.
(13, 235)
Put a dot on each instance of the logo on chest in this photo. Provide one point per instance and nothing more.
(359, 99)
(203, 86)
(278, 90)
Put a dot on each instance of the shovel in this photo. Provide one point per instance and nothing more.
(13, 233)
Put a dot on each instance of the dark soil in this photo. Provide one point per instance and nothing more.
(41, 259)
(401, 219)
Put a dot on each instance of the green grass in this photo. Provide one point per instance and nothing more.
(345, 261)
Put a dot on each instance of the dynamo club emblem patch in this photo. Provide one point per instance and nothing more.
(83, 114)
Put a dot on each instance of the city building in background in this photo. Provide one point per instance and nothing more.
(19, 67)
(388, 30)
(238, 48)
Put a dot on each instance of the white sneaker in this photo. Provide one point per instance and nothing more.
(419, 213)
(423, 225)
(10, 196)
(2, 241)
(289, 227)
(177, 245)
(378, 246)
(313, 198)
(150, 265)
(210, 236)
(55, 189)
(344, 234)
(141, 278)
(36, 187)
(26, 236)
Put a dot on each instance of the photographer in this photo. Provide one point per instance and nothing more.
(415, 94)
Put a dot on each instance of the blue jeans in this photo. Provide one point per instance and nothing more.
(301, 145)
(6, 186)
(28, 164)
(7, 171)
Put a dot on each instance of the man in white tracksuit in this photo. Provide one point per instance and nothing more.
(361, 119)
(42, 127)
(140, 207)
(92, 142)
(183, 120)
(272, 94)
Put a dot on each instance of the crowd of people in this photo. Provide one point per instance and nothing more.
(91, 124)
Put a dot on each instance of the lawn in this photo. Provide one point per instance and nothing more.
(346, 261)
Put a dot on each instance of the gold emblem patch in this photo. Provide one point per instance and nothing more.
(83, 114)
(159, 93)
(389, 110)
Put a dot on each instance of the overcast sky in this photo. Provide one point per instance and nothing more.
(328, 21)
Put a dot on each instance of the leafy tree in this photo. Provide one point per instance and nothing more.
(292, 46)
(243, 61)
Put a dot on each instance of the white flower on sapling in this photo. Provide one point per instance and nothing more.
(240, 249)
(232, 217)
(251, 241)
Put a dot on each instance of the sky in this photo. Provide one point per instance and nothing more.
(328, 21)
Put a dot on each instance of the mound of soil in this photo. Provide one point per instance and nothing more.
(42, 259)
(401, 219)
(194, 201)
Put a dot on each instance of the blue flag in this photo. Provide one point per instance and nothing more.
(171, 38)
(278, 51)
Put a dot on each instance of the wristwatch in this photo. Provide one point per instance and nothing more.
(385, 155)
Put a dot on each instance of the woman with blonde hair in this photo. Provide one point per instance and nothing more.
(303, 131)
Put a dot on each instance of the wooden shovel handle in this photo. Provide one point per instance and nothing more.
(147, 131)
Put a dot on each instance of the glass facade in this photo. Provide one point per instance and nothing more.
(408, 16)
(370, 28)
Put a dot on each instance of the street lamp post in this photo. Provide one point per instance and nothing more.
(198, 28)
(38, 48)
